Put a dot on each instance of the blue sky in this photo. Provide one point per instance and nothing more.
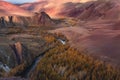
(20, 1)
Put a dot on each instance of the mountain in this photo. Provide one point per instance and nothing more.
(52, 7)
(35, 6)
(93, 10)
(100, 9)
(12, 9)
(40, 6)
(45, 19)
(14, 15)
(83, 45)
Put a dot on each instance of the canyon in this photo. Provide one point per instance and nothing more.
(43, 41)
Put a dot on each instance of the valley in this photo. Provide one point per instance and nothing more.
(98, 38)
(65, 41)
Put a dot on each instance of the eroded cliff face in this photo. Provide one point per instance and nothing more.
(20, 51)
(10, 21)
(12, 55)
(16, 50)
(45, 19)
(42, 19)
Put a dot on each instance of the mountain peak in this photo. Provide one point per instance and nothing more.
(45, 19)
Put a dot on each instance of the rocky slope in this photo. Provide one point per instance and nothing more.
(40, 19)
(93, 10)
(45, 19)
(52, 7)
(11, 21)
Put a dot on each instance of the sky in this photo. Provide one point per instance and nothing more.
(24, 1)
(20, 1)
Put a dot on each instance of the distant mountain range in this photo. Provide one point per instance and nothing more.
(92, 10)
(104, 9)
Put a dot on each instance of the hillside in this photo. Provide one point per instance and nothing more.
(93, 10)
(52, 7)
(12, 9)
(105, 9)
(60, 40)
(42, 55)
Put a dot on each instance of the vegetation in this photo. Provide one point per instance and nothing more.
(46, 42)
(17, 70)
(14, 30)
(65, 63)
(62, 62)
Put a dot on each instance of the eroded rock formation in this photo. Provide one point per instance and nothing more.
(41, 19)
(20, 52)
(2, 22)
(45, 19)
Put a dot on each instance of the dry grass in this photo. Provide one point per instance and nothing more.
(15, 30)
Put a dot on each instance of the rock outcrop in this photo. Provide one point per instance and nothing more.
(40, 19)
(45, 19)
(2, 22)
(17, 48)
(12, 21)
(13, 15)
(20, 51)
